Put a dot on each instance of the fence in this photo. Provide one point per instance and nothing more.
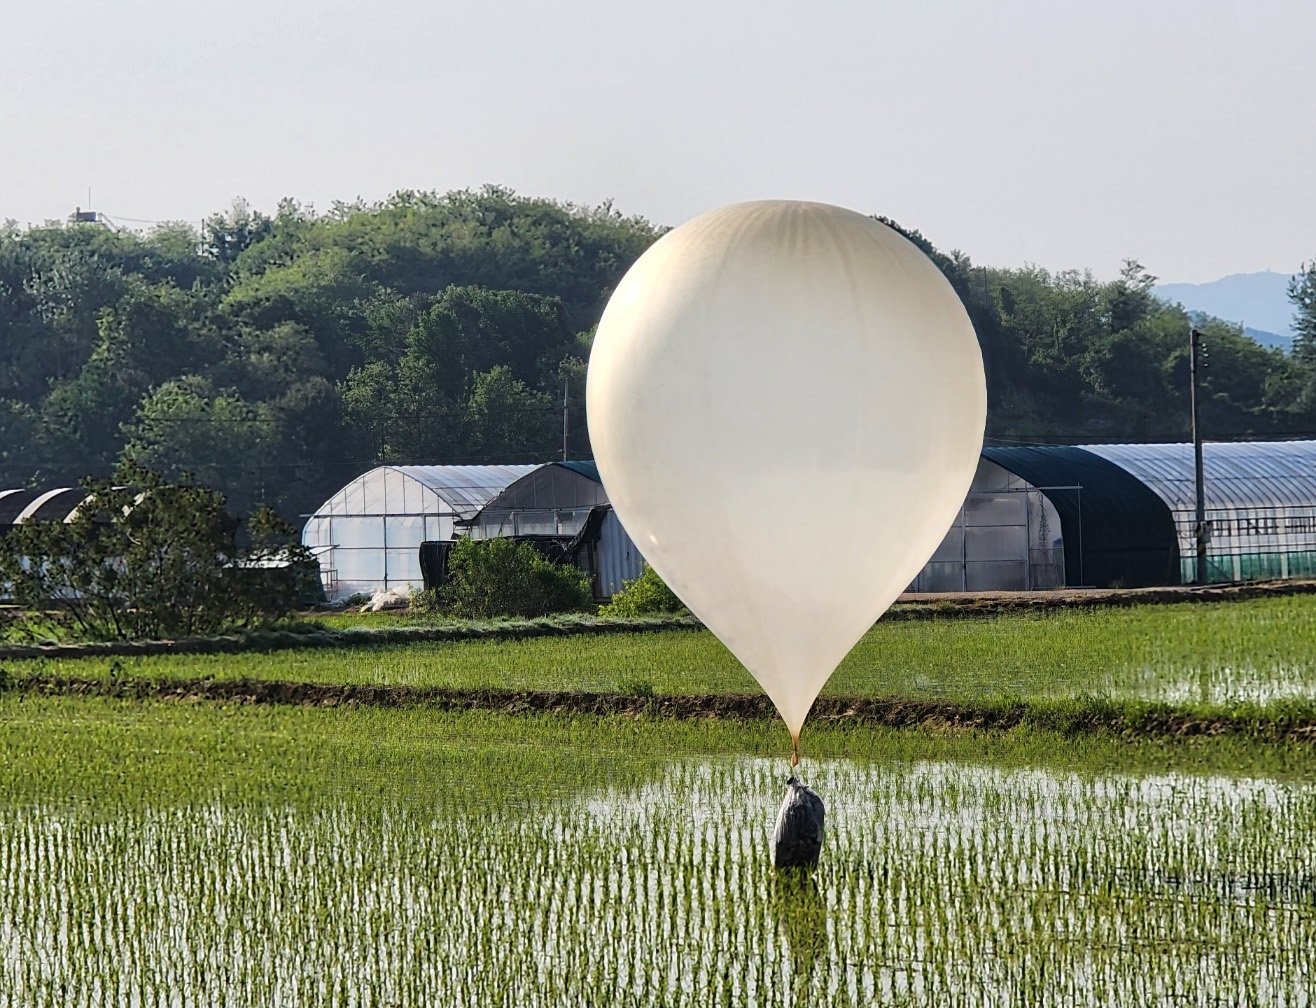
(1250, 543)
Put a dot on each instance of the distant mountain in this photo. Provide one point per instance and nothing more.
(1284, 340)
(1257, 301)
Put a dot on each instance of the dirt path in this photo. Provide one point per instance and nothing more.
(952, 604)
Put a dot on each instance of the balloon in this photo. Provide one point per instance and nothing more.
(786, 402)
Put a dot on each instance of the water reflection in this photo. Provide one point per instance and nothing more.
(940, 884)
(800, 911)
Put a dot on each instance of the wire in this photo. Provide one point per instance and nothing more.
(112, 218)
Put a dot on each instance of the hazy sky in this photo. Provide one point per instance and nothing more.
(1067, 135)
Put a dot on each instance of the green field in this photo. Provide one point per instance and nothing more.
(198, 854)
(1205, 655)
(160, 854)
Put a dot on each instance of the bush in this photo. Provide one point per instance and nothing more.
(502, 577)
(647, 595)
(426, 602)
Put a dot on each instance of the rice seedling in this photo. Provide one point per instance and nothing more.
(155, 854)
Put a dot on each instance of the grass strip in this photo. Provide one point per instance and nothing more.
(1065, 716)
(313, 634)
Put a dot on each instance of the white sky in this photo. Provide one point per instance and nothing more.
(1042, 131)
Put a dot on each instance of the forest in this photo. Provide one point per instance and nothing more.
(274, 357)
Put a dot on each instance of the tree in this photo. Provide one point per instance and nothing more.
(226, 236)
(186, 428)
(507, 421)
(144, 559)
(462, 386)
(1302, 292)
(18, 432)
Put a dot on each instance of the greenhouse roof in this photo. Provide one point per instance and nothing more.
(554, 485)
(584, 467)
(465, 487)
(1255, 474)
(18, 506)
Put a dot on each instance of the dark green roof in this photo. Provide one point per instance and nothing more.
(1116, 530)
(584, 467)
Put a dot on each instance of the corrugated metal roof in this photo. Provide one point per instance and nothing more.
(1255, 474)
(467, 488)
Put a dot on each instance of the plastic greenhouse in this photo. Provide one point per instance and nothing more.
(1260, 504)
(18, 506)
(367, 536)
(1048, 516)
(1036, 517)
(565, 502)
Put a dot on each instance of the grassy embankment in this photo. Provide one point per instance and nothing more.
(1242, 661)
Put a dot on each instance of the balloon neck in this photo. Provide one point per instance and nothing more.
(795, 751)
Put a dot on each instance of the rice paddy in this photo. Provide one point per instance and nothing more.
(158, 854)
(199, 854)
(1205, 655)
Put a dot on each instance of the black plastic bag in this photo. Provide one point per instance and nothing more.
(797, 841)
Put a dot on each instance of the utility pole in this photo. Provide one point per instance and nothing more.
(566, 385)
(1201, 530)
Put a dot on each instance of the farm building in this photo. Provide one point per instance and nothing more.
(367, 536)
(1260, 504)
(563, 507)
(1051, 516)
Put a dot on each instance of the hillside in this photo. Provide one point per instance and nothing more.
(276, 358)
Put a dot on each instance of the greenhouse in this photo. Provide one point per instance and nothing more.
(1260, 504)
(563, 507)
(1006, 537)
(1036, 517)
(367, 536)
(1049, 516)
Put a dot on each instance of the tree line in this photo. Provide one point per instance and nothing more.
(275, 357)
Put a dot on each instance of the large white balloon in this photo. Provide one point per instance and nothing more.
(786, 403)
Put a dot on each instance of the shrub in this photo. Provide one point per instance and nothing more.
(647, 595)
(502, 577)
(427, 602)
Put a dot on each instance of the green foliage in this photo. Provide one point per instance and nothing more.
(149, 560)
(647, 595)
(427, 327)
(187, 428)
(502, 577)
(276, 356)
(1302, 292)
(426, 602)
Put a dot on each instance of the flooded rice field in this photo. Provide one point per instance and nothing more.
(943, 882)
